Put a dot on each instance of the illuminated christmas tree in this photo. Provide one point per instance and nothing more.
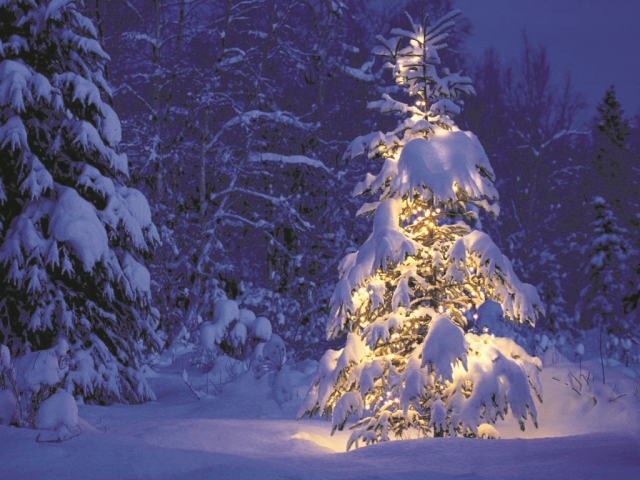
(413, 362)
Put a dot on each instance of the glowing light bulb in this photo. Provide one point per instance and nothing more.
(475, 317)
(409, 324)
(438, 210)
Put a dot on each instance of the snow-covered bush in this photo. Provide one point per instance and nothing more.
(609, 278)
(233, 332)
(29, 381)
(271, 360)
(59, 414)
(73, 236)
(411, 360)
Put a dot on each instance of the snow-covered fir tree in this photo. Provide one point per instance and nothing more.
(407, 298)
(609, 279)
(72, 235)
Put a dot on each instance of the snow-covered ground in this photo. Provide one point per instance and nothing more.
(242, 433)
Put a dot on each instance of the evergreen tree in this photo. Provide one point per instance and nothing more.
(612, 132)
(72, 235)
(610, 278)
(406, 299)
(613, 176)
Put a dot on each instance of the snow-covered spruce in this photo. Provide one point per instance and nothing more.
(72, 235)
(406, 298)
(609, 278)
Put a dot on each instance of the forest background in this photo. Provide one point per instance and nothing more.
(235, 118)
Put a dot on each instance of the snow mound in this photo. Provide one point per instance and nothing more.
(282, 391)
(262, 328)
(239, 334)
(225, 312)
(487, 430)
(58, 410)
(210, 335)
(246, 317)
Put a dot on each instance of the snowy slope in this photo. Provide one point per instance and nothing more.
(241, 433)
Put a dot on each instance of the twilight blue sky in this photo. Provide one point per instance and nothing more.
(596, 41)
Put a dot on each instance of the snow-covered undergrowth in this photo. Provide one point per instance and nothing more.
(586, 430)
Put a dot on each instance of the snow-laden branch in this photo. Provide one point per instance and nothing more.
(287, 159)
(252, 115)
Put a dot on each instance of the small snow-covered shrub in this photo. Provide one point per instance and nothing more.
(271, 357)
(59, 413)
(271, 360)
(29, 381)
(233, 332)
